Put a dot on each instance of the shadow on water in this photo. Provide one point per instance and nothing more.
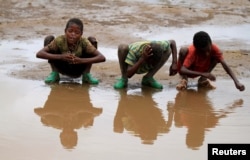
(194, 110)
(68, 108)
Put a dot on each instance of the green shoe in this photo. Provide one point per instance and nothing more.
(121, 83)
(151, 82)
(87, 78)
(53, 77)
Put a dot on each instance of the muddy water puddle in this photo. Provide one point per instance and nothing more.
(75, 121)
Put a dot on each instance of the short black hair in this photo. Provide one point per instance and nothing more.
(157, 50)
(76, 21)
(201, 39)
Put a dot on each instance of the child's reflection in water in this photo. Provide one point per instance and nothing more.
(68, 108)
(140, 115)
(194, 110)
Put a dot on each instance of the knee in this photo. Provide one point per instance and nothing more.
(93, 41)
(48, 39)
(122, 52)
(122, 47)
(182, 53)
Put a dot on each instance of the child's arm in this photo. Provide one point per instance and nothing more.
(97, 58)
(45, 54)
(147, 52)
(173, 67)
(186, 71)
(238, 85)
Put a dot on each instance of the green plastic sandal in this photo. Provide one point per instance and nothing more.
(88, 78)
(121, 83)
(53, 77)
(151, 82)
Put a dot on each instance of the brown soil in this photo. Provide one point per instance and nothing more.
(115, 22)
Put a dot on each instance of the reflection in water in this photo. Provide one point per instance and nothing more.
(194, 110)
(139, 115)
(68, 108)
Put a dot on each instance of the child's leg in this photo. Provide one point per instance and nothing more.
(86, 76)
(93, 41)
(122, 54)
(184, 79)
(204, 82)
(54, 75)
(182, 55)
(148, 79)
(211, 67)
(47, 41)
(163, 60)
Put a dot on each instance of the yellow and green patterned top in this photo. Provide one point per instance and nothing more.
(136, 50)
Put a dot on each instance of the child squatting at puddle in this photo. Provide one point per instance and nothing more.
(71, 54)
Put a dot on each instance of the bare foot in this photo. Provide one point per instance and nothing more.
(182, 85)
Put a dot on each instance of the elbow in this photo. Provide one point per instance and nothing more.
(129, 75)
(102, 59)
(172, 42)
(38, 55)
